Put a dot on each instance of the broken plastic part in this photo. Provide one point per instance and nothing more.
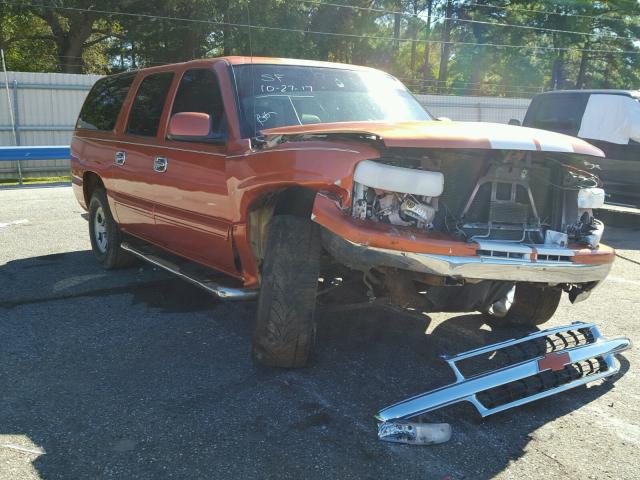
(399, 179)
(593, 238)
(556, 239)
(413, 433)
(591, 198)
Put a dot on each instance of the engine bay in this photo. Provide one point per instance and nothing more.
(512, 196)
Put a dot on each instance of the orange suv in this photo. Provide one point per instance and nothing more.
(293, 180)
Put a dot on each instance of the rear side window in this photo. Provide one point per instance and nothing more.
(199, 92)
(558, 112)
(102, 106)
(148, 104)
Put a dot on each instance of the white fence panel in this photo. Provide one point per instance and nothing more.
(45, 109)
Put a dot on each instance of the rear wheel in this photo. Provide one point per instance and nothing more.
(525, 304)
(105, 235)
(285, 325)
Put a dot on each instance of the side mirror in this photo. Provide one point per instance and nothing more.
(514, 121)
(191, 126)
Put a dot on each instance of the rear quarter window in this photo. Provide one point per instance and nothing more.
(102, 106)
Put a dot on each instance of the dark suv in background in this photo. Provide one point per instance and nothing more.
(608, 119)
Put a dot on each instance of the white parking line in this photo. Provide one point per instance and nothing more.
(15, 222)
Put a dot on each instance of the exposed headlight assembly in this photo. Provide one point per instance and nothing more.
(589, 198)
(396, 195)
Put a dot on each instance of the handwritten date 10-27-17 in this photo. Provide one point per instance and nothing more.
(285, 88)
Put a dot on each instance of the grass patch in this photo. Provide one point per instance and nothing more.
(34, 180)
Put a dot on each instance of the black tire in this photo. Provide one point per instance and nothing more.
(285, 326)
(105, 235)
(532, 305)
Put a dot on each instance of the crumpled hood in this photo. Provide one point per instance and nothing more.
(446, 134)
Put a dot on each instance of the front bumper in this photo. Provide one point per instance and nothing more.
(363, 245)
(362, 257)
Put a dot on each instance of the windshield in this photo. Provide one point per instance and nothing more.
(275, 95)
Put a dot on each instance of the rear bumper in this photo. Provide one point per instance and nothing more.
(363, 245)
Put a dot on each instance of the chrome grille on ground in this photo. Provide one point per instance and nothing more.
(542, 382)
(519, 371)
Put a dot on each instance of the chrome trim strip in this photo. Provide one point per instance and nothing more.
(109, 140)
(276, 150)
(512, 247)
(554, 251)
(478, 268)
(492, 268)
(466, 389)
(225, 293)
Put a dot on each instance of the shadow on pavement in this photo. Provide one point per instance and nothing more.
(148, 377)
(622, 238)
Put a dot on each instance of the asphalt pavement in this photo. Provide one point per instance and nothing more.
(136, 374)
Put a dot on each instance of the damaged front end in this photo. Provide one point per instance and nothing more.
(515, 372)
(479, 219)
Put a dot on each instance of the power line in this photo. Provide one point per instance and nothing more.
(472, 4)
(334, 34)
(479, 22)
(356, 7)
(545, 29)
(547, 12)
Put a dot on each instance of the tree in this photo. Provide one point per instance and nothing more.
(24, 38)
(446, 43)
(73, 27)
(509, 48)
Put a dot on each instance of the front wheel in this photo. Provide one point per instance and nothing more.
(105, 235)
(285, 325)
(525, 304)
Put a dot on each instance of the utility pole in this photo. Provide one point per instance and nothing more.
(13, 122)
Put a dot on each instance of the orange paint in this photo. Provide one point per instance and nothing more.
(602, 254)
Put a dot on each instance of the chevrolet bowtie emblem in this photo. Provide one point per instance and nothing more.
(553, 361)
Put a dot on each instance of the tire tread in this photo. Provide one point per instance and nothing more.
(285, 324)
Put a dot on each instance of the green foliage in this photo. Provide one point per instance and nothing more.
(486, 52)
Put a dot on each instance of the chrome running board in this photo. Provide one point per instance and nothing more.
(211, 286)
(558, 359)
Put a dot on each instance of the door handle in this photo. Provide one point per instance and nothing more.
(121, 157)
(160, 164)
